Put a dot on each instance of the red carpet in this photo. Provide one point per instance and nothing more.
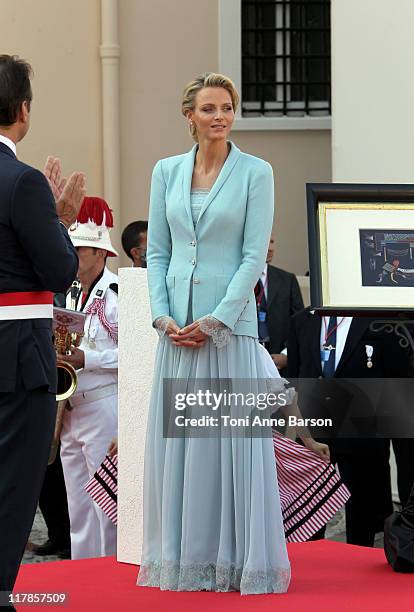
(325, 576)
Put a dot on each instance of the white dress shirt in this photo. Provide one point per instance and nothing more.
(9, 143)
(263, 278)
(341, 335)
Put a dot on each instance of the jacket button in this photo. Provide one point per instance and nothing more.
(193, 243)
(196, 281)
(193, 261)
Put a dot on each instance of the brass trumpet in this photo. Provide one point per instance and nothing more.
(67, 380)
(66, 373)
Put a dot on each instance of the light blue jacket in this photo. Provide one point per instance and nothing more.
(223, 256)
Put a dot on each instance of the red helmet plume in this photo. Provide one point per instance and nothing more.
(96, 210)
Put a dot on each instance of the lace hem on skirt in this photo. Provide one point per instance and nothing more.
(172, 576)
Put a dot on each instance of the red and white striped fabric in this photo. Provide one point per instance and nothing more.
(311, 491)
(103, 487)
(26, 305)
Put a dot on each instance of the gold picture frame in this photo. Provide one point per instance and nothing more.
(347, 228)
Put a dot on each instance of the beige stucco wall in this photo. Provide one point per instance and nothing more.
(60, 39)
(163, 45)
(373, 129)
(297, 157)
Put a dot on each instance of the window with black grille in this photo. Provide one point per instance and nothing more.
(286, 58)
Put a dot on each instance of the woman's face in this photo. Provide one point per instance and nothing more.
(213, 114)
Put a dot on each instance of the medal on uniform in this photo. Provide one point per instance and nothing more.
(369, 351)
(326, 351)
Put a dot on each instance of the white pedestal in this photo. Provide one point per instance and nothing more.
(137, 344)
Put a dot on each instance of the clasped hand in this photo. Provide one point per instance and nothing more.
(190, 336)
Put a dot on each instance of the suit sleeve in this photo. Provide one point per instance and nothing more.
(43, 238)
(292, 346)
(257, 230)
(296, 300)
(159, 246)
(396, 360)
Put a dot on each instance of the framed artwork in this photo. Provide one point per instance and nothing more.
(361, 249)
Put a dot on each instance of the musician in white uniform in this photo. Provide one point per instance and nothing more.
(91, 422)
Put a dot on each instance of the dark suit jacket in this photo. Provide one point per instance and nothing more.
(389, 360)
(284, 299)
(36, 254)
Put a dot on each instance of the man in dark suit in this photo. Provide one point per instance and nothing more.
(53, 501)
(278, 297)
(134, 243)
(343, 347)
(36, 259)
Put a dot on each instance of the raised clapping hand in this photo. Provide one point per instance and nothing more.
(68, 194)
(190, 336)
(53, 173)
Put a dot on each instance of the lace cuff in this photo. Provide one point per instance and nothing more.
(280, 386)
(161, 324)
(218, 332)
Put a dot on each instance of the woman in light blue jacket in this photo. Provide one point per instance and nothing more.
(212, 518)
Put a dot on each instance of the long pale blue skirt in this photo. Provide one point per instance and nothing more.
(212, 517)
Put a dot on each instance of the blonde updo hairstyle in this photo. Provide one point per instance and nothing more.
(207, 79)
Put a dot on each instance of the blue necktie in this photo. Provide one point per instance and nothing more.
(329, 366)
